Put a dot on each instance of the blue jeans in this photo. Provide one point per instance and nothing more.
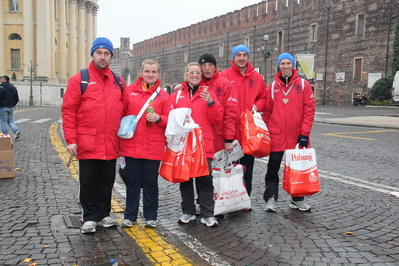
(6, 120)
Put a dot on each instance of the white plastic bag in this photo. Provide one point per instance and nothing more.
(230, 195)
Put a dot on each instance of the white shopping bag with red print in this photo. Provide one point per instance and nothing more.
(301, 177)
(230, 194)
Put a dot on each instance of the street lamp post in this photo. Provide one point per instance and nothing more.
(31, 69)
(265, 52)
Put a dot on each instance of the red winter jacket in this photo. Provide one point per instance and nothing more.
(250, 89)
(147, 142)
(92, 120)
(205, 116)
(227, 97)
(286, 121)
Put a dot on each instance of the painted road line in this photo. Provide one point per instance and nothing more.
(21, 120)
(350, 180)
(41, 120)
(342, 134)
(153, 245)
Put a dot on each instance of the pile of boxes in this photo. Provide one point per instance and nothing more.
(7, 169)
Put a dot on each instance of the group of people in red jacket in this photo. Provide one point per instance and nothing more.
(91, 121)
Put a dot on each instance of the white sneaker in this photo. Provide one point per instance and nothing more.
(151, 224)
(127, 223)
(89, 227)
(210, 221)
(186, 218)
(271, 205)
(300, 205)
(107, 222)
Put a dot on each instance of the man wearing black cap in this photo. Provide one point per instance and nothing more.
(90, 122)
(224, 132)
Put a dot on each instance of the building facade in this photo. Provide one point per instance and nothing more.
(342, 46)
(44, 43)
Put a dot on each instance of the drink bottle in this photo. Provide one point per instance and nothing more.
(150, 110)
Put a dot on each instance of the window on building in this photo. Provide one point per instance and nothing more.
(13, 4)
(357, 73)
(186, 56)
(280, 39)
(14, 37)
(360, 24)
(15, 58)
(246, 41)
(221, 49)
(313, 32)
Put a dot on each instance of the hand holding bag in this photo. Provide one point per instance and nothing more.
(255, 138)
(230, 194)
(301, 177)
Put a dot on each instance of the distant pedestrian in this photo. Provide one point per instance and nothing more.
(289, 116)
(206, 112)
(8, 99)
(251, 93)
(144, 151)
(90, 122)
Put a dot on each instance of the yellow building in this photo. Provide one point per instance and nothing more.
(48, 40)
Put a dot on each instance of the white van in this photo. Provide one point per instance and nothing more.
(395, 89)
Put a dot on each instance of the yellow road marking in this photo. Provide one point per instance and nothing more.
(340, 134)
(153, 245)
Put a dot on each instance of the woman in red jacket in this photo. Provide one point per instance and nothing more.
(144, 151)
(206, 111)
(289, 116)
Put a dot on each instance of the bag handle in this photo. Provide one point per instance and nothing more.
(146, 104)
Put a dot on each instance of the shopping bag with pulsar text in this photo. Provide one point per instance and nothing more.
(196, 146)
(301, 176)
(255, 138)
(230, 194)
(175, 165)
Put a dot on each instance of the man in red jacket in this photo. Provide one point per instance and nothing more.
(289, 116)
(224, 132)
(90, 123)
(251, 93)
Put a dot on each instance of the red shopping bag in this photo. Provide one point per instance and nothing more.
(255, 138)
(175, 166)
(195, 145)
(301, 177)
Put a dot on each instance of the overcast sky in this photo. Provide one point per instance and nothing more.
(142, 20)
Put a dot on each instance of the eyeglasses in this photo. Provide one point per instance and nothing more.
(194, 73)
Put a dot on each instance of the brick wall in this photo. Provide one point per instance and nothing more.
(336, 46)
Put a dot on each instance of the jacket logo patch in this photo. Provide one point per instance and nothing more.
(93, 82)
(251, 83)
(298, 89)
(219, 91)
(134, 93)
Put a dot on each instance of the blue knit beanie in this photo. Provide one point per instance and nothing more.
(102, 42)
(239, 48)
(286, 56)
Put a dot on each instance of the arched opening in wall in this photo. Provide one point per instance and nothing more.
(126, 76)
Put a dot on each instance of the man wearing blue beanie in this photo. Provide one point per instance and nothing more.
(102, 42)
(251, 94)
(289, 116)
(91, 118)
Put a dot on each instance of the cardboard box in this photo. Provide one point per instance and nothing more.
(7, 169)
